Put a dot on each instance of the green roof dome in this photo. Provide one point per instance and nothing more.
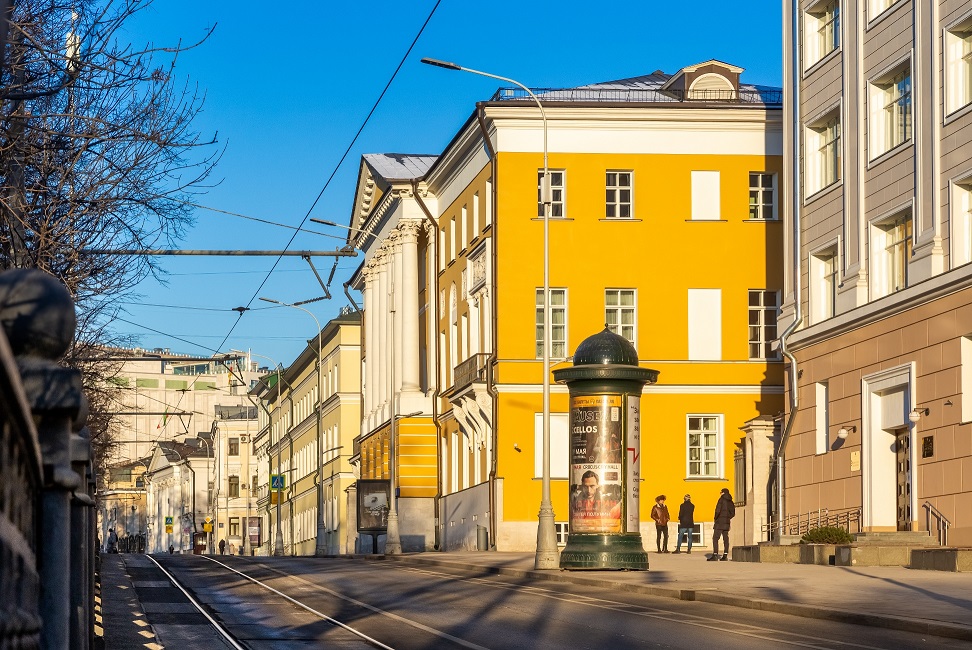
(605, 348)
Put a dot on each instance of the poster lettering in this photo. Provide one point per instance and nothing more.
(597, 460)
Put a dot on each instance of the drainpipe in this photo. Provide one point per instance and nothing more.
(797, 277)
(491, 389)
(434, 336)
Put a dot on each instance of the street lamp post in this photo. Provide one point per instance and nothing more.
(547, 556)
(320, 548)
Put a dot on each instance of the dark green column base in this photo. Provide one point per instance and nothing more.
(620, 552)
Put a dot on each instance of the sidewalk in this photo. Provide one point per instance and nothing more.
(926, 602)
(123, 620)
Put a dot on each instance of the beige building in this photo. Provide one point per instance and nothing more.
(878, 299)
(167, 397)
(306, 425)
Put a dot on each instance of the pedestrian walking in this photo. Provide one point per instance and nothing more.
(686, 523)
(724, 512)
(659, 512)
(222, 547)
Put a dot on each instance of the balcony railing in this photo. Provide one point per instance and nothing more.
(473, 370)
(745, 95)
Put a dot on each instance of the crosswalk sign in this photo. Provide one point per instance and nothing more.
(276, 481)
(168, 521)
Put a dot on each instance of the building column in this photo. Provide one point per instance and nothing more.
(409, 313)
(371, 341)
(432, 312)
(382, 326)
(398, 296)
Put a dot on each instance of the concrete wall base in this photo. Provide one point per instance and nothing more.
(942, 559)
(873, 555)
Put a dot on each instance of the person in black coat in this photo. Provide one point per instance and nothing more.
(724, 512)
(686, 523)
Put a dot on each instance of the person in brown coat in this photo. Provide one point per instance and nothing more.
(659, 513)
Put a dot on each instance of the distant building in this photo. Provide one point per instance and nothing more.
(665, 226)
(879, 193)
(167, 397)
(313, 458)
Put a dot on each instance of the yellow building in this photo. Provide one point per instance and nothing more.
(310, 451)
(664, 227)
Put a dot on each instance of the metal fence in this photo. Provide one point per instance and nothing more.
(47, 525)
(745, 95)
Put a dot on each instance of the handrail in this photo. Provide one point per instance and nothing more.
(942, 523)
(800, 523)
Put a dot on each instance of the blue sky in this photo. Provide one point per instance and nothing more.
(289, 83)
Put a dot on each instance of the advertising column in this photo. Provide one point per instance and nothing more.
(605, 385)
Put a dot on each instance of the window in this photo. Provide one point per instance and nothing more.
(254, 481)
(697, 535)
(704, 324)
(823, 417)
(890, 116)
(618, 195)
(234, 487)
(823, 287)
(234, 526)
(559, 447)
(562, 528)
(619, 312)
(823, 155)
(556, 193)
(464, 228)
(965, 387)
(961, 218)
(762, 196)
(878, 7)
(821, 26)
(763, 305)
(558, 323)
(705, 196)
(704, 433)
(890, 251)
(958, 66)
(234, 446)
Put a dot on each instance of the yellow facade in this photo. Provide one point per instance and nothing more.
(660, 251)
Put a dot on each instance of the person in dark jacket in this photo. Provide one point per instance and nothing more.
(661, 517)
(686, 523)
(724, 512)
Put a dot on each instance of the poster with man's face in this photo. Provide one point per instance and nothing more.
(597, 463)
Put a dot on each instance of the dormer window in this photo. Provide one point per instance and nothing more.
(712, 87)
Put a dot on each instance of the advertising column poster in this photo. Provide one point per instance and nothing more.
(597, 463)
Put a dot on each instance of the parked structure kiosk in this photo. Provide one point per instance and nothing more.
(605, 385)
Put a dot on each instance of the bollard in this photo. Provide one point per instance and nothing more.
(482, 538)
(605, 385)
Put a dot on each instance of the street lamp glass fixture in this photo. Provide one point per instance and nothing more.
(547, 557)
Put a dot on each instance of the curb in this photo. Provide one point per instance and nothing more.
(918, 626)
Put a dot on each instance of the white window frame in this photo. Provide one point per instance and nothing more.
(559, 446)
(619, 310)
(960, 218)
(821, 31)
(617, 204)
(957, 51)
(824, 280)
(822, 408)
(539, 322)
(824, 154)
(558, 193)
(757, 192)
(706, 195)
(965, 376)
(886, 260)
(562, 529)
(763, 339)
(718, 447)
(891, 110)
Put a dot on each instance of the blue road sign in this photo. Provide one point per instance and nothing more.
(276, 481)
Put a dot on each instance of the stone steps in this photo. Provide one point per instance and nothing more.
(895, 538)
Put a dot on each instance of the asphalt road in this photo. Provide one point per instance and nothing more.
(408, 608)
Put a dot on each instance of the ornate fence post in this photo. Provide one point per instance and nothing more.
(38, 315)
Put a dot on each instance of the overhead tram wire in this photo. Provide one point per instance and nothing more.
(335, 170)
